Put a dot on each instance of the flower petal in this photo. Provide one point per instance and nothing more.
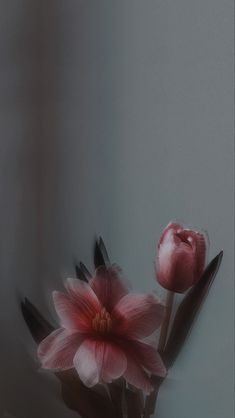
(77, 310)
(85, 363)
(108, 286)
(97, 361)
(70, 313)
(202, 244)
(181, 257)
(136, 376)
(172, 227)
(84, 297)
(176, 265)
(148, 357)
(138, 316)
(114, 362)
(58, 349)
(67, 311)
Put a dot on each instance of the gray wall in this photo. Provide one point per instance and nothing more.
(115, 117)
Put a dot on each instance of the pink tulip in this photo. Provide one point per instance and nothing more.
(181, 257)
(102, 332)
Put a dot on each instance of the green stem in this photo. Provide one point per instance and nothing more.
(164, 329)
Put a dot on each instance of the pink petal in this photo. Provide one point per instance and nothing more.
(114, 362)
(176, 264)
(108, 286)
(71, 317)
(136, 376)
(97, 361)
(201, 243)
(86, 365)
(84, 297)
(67, 311)
(138, 316)
(58, 349)
(172, 227)
(77, 310)
(148, 357)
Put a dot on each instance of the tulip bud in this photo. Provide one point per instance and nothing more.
(181, 257)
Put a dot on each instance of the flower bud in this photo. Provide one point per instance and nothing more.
(181, 257)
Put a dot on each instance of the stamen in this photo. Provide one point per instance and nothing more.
(102, 322)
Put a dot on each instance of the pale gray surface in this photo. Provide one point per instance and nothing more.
(115, 117)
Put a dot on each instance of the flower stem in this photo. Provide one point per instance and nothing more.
(151, 400)
(164, 329)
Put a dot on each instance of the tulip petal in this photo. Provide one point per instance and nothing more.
(176, 264)
(58, 349)
(108, 286)
(181, 257)
(172, 227)
(136, 376)
(97, 361)
(138, 316)
(201, 243)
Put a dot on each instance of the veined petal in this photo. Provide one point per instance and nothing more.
(136, 376)
(84, 297)
(108, 286)
(97, 361)
(68, 312)
(86, 365)
(79, 308)
(58, 349)
(114, 362)
(138, 316)
(148, 357)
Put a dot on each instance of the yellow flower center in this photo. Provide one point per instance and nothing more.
(102, 322)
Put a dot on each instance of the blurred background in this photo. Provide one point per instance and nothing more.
(115, 117)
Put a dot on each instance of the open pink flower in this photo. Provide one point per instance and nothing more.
(181, 257)
(102, 332)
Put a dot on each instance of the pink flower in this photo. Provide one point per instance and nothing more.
(102, 332)
(181, 257)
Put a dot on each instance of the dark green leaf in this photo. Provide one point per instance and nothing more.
(85, 271)
(37, 324)
(101, 257)
(80, 274)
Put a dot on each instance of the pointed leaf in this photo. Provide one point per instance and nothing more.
(85, 271)
(79, 274)
(37, 324)
(100, 254)
(188, 311)
(104, 252)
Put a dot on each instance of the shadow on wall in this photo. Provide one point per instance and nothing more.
(47, 46)
(27, 83)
